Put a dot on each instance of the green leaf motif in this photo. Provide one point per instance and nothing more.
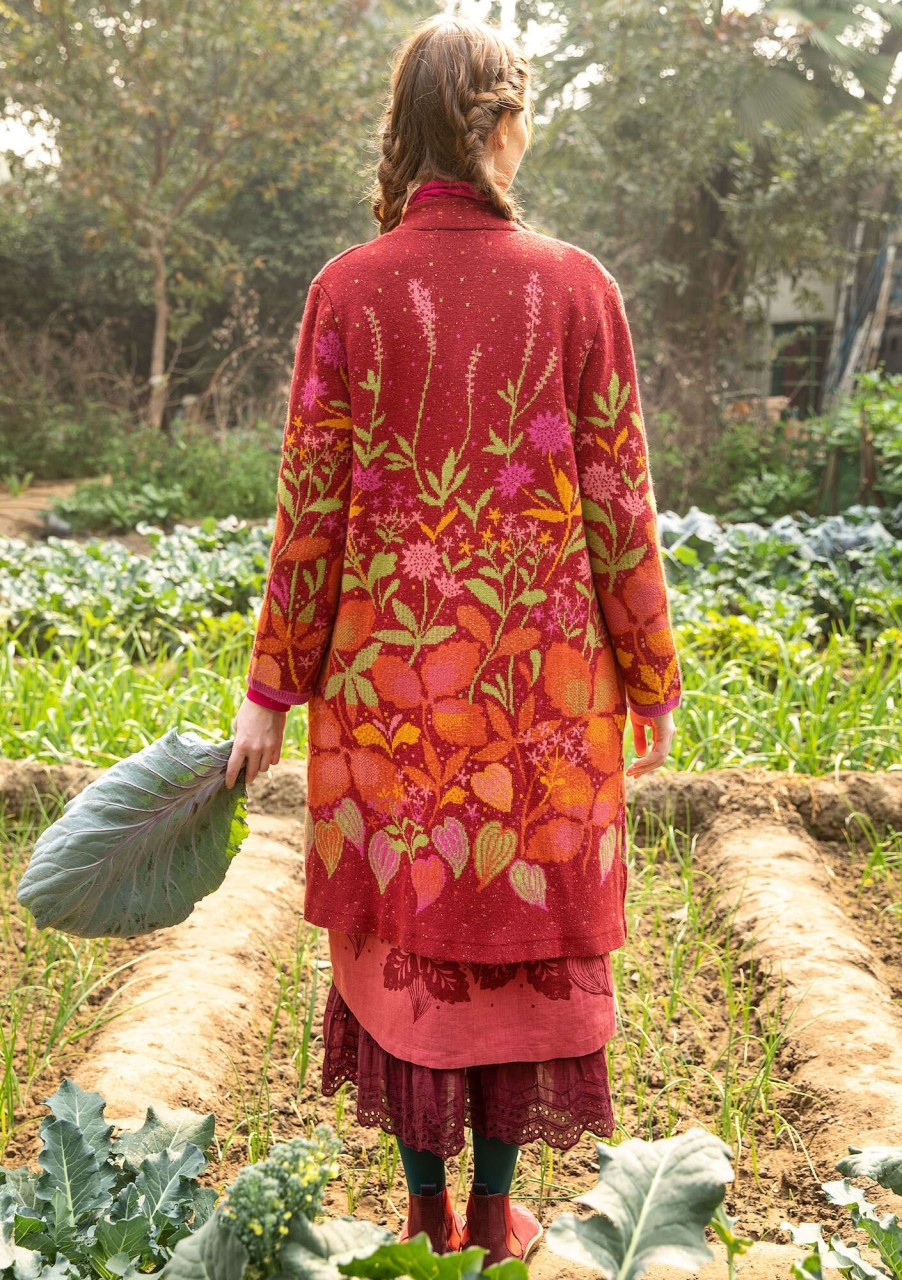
(381, 565)
(652, 1204)
(484, 592)
(137, 848)
(405, 616)
(286, 497)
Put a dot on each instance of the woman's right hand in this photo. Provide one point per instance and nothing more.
(662, 731)
(258, 741)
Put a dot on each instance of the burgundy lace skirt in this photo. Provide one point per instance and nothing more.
(428, 1108)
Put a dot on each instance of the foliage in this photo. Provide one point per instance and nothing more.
(883, 1232)
(141, 845)
(142, 604)
(722, 150)
(837, 571)
(875, 405)
(103, 1207)
(190, 474)
(652, 1203)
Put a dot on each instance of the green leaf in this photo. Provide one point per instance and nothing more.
(405, 616)
(85, 1111)
(136, 849)
(394, 637)
(71, 1179)
(484, 592)
(435, 635)
(315, 1252)
(881, 1164)
(131, 1236)
(213, 1252)
(164, 1127)
(164, 1181)
(381, 565)
(529, 598)
(629, 559)
(365, 658)
(286, 497)
(415, 1258)
(652, 1204)
(364, 687)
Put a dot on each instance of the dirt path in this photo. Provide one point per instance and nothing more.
(23, 516)
(203, 986)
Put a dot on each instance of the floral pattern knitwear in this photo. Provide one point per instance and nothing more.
(466, 585)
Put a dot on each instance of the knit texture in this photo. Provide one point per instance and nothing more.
(466, 584)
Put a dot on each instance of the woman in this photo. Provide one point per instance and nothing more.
(466, 585)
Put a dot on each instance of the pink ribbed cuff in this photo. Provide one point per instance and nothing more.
(661, 709)
(255, 694)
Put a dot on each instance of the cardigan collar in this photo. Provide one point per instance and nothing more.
(458, 210)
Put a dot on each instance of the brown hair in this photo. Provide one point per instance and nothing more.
(452, 79)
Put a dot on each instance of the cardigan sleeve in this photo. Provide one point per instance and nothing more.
(620, 516)
(303, 584)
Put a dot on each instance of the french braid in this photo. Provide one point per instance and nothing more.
(451, 80)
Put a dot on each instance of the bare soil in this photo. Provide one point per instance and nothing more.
(779, 848)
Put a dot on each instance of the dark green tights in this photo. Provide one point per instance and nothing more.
(493, 1164)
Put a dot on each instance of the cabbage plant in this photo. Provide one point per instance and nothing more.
(141, 845)
(652, 1204)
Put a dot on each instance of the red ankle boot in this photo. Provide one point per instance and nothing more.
(431, 1211)
(506, 1230)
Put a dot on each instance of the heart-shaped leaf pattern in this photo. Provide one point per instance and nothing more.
(329, 844)
(607, 847)
(385, 858)
(428, 876)
(350, 820)
(493, 849)
(528, 882)
(452, 842)
(495, 786)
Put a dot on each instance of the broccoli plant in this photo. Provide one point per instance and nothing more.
(882, 1165)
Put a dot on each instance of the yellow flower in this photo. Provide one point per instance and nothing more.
(465, 549)
(544, 537)
(487, 535)
(495, 514)
(504, 544)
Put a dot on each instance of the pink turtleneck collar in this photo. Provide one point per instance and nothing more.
(439, 188)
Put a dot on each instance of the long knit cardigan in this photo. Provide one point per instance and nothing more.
(466, 584)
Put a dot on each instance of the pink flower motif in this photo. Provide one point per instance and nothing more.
(448, 585)
(423, 306)
(331, 349)
(534, 293)
(549, 432)
(313, 388)
(367, 478)
(634, 502)
(421, 560)
(513, 477)
(601, 482)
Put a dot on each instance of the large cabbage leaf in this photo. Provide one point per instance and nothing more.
(139, 847)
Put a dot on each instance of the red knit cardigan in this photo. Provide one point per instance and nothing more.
(466, 585)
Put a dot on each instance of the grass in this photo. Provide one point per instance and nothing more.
(796, 711)
(53, 985)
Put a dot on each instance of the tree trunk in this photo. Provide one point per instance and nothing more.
(158, 376)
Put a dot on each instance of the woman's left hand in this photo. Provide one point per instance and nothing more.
(662, 731)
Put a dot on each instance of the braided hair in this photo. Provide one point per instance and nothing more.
(452, 79)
